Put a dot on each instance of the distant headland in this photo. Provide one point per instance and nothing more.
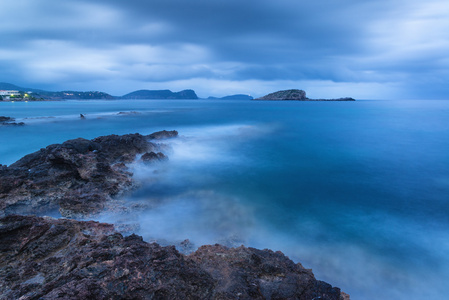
(232, 97)
(296, 95)
(11, 92)
(160, 94)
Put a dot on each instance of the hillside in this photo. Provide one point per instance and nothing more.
(233, 97)
(161, 94)
(298, 95)
(285, 95)
(10, 86)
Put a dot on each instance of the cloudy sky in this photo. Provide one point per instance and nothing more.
(369, 49)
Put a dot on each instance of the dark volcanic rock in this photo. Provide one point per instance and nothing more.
(65, 259)
(150, 157)
(164, 134)
(248, 273)
(9, 121)
(6, 119)
(77, 177)
(44, 258)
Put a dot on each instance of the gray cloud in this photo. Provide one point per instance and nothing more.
(183, 43)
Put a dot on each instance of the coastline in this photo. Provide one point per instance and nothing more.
(50, 175)
(305, 100)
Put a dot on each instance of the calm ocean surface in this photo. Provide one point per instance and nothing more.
(357, 191)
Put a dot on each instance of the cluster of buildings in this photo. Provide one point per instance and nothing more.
(8, 94)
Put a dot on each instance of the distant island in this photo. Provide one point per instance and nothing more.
(160, 94)
(11, 92)
(232, 97)
(296, 95)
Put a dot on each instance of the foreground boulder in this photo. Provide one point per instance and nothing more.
(76, 177)
(248, 273)
(45, 258)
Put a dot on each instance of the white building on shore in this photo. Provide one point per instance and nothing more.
(7, 94)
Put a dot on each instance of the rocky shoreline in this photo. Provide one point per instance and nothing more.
(77, 177)
(47, 258)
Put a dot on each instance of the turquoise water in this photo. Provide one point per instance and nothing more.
(357, 191)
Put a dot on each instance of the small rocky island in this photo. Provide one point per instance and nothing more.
(298, 95)
(9, 121)
(68, 258)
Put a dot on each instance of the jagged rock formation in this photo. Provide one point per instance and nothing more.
(151, 157)
(298, 95)
(164, 134)
(45, 258)
(76, 177)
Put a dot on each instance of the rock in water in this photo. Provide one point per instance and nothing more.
(76, 177)
(298, 95)
(6, 119)
(9, 121)
(164, 134)
(45, 258)
(285, 95)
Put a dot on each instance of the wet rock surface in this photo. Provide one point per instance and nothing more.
(248, 273)
(46, 258)
(164, 134)
(151, 157)
(76, 177)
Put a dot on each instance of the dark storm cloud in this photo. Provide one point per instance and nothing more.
(117, 45)
(252, 30)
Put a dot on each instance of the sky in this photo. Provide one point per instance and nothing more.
(369, 49)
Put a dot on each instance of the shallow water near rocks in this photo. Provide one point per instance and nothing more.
(357, 191)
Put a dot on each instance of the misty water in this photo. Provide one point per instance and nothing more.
(356, 191)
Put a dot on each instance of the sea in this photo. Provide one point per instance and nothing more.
(356, 191)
